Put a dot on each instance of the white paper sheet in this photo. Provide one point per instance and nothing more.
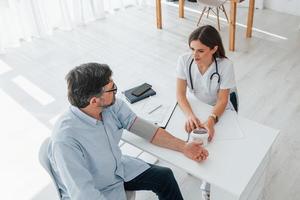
(228, 127)
(157, 111)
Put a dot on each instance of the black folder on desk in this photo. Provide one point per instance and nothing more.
(132, 99)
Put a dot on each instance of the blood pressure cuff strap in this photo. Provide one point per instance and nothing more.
(143, 129)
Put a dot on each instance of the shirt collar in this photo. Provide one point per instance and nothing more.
(76, 111)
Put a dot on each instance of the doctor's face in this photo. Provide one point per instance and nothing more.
(202, 53)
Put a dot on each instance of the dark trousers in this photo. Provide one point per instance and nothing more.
(160, 180)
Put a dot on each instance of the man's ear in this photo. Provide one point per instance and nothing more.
(95, 100)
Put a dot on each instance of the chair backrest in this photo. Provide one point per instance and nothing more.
(234, 99)
(45, 162)
(214, 3)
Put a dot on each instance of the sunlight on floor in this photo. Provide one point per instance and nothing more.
(33, 90)
(4, 67)
(22, 134)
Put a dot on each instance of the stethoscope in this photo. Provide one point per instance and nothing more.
(215, 74)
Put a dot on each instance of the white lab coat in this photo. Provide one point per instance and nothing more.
(206, 90)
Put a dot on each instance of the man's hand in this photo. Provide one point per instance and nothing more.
(192, 150)
(192, 123)
(195, 151)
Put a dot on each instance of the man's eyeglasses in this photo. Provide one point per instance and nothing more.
(114, 89)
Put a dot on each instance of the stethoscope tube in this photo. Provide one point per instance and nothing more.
(216, 73)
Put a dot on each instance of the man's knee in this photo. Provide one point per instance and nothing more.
(163, 171)
(168, 173)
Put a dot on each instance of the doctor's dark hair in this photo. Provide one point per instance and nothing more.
(210, 37)
(85, 81)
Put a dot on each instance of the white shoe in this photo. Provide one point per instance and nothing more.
(205, 189)
(205, 195)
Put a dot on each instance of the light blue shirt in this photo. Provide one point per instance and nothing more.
(85, 156)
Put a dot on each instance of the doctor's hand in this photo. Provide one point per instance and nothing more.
(209, 126)
(195, 151)
(192, 123)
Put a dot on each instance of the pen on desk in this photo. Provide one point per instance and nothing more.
(155, 109)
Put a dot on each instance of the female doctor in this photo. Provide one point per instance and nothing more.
(208, 75)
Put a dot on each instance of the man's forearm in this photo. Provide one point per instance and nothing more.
(164, 139)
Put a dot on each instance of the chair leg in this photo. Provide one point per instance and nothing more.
(212, 10)
(223, 9)
(201, 15)
(209, 8)
(218, 19)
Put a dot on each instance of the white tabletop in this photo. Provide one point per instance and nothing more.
(233, 159)
(156, 109)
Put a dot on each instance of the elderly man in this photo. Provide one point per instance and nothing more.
(84, 153)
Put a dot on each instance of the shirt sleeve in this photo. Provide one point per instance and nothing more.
(74, 173)
(124, 114)
(227, 75)
(180, 72)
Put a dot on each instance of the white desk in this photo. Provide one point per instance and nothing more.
(235, 167)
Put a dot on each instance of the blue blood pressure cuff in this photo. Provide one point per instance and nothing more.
(143, 129)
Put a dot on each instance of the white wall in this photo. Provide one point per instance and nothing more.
(258, 3)
(286, 6)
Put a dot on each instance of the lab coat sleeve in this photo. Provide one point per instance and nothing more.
(180, 69)
(227, 75)
(73, 171)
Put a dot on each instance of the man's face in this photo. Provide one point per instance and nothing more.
(108, 97)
